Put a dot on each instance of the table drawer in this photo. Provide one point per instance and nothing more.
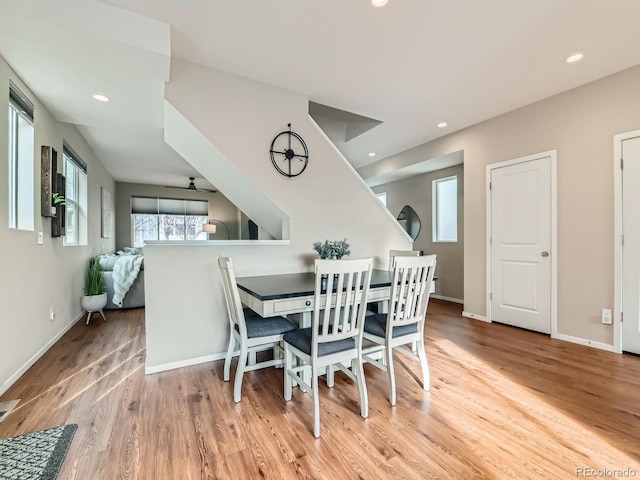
(305, 304)
(292, 305)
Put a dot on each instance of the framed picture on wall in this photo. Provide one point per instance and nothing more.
(107, 213)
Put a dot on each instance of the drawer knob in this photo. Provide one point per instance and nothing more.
(308, 303)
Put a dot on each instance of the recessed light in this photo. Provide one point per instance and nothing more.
(443, 124)
(575, 57)
(101, 98)
(372, 154)
(379, 3)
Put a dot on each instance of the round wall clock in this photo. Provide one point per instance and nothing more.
(289, 153)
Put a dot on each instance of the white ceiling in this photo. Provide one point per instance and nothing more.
(410, 64)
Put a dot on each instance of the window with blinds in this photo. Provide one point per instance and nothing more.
(156, 218)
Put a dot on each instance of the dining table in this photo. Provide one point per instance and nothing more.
(292, 294)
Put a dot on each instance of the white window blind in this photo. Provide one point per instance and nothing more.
(169, 206)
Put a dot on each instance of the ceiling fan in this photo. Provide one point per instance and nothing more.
(192, 187)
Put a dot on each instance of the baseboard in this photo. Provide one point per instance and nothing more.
(14, 378)
(585, 342)
(475, 317)
(184, 363)
(446, 299)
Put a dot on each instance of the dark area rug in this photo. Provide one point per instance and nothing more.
(35, 456)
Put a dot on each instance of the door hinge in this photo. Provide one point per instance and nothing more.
(490, 240)
(490, 296)
(621, 317)
(622, 240)
(490, 185)
(622, 164)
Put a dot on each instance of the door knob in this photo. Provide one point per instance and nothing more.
(545, 254)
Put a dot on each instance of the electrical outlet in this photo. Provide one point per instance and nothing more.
(606, 316)
(52, 314)
(40, 238)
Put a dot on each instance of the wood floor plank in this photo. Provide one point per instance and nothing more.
(504, 403)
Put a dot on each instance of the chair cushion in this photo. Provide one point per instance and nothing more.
(377, 325)
(249, 313)
(301, 338)
(266, 327)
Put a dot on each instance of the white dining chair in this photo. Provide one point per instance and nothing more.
(403, 324)
(335, 335)
(249, 331)
(379, 307)
(401, 253)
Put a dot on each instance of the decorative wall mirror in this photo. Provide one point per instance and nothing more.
(410, 221)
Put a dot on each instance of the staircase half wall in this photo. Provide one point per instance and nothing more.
(223, 125)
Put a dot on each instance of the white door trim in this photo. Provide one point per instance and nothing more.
(552, 154)
(617, 241)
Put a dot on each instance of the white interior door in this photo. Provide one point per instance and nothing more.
(631, 246)
(520, 292)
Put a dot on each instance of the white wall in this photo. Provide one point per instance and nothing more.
(328, 201)
(580, 125)
(36, 277)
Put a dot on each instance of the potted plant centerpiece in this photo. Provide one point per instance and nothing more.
(95, 296)
(331, 250)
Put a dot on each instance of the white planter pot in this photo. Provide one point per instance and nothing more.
(94, 303)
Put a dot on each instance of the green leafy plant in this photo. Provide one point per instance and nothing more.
(58, 199)
(332, 249)
(94, 281)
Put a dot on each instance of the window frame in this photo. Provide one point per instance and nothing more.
(21, 190)
(435, 209)
(159, 213)
(75, 205)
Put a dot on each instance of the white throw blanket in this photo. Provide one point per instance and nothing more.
(125, 272)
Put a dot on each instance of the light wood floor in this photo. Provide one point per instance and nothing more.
(504, 403)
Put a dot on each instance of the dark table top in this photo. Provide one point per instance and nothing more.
(290, 285)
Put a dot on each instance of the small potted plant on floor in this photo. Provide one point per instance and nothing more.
(95, 296)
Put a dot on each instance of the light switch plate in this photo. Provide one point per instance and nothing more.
(40, 238)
